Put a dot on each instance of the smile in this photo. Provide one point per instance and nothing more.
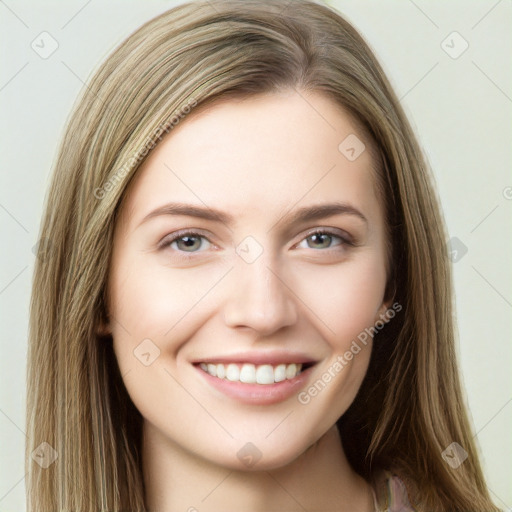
(264, 374)
(256, 384)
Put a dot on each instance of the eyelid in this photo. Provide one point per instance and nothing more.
(344, 236)
(172, 237)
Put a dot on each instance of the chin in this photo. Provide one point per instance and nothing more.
(259, 456)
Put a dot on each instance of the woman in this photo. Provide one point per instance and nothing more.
(247, 302)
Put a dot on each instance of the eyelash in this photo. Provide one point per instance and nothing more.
(166, 243)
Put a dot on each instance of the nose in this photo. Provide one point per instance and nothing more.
(259, 298)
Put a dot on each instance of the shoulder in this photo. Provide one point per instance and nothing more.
(391, 493)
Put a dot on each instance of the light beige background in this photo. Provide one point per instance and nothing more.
(460, 107)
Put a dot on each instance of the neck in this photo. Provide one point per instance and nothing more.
(319, 479)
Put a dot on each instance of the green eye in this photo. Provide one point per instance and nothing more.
(322, 240)
(189, 243)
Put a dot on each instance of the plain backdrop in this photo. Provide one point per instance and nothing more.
(458, 99)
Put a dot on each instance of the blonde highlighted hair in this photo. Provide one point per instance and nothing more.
(410, 405)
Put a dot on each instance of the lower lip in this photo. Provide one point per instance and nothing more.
(258, 394)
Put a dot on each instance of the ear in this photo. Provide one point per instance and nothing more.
(103, 328)
(103, 324)
(389, 297)
(381, 313)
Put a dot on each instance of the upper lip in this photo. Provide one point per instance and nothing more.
(258, 358)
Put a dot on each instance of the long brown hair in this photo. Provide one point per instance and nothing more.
(410, 406)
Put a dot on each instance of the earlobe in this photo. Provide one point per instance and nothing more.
(103, 324)
(389, 296)
(382, 315)
(103, 327)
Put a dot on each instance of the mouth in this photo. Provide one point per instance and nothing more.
(248, 373)
(264, 381)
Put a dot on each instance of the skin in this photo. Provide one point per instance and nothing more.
(259, 159)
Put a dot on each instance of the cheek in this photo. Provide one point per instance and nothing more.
(152, 310)
(347, 312)
(346, 301)
(157, 303)
(345, 298)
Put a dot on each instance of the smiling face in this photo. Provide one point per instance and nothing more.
(248, 244)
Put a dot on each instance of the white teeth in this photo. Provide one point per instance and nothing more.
(212, 369)
(265, 374)
(248, 374)
(280, 373)
(291, 371)
(221, 371)
(232, 372)
(251, 374)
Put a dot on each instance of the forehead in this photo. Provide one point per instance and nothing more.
(264, 153)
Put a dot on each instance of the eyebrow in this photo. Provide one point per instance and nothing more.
(301, 215)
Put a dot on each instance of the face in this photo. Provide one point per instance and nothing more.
(248, 262)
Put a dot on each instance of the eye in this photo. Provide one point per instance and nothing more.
(322, 240)
(193, 242)
(189, 241)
